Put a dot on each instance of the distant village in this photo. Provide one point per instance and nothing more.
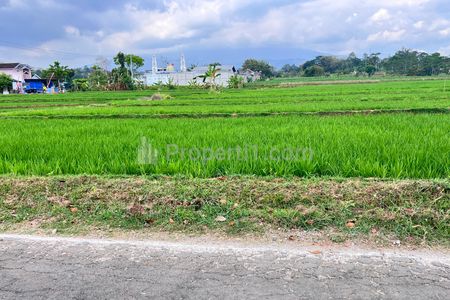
(26, 80)
(127, 74)
(185, 76)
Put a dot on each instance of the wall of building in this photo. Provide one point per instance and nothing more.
(184, 78)
(16, 74)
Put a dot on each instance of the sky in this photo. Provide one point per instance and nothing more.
(83, 32)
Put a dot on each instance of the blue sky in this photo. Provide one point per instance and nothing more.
(79, 32)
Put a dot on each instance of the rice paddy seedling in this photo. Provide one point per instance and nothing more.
(387, 146)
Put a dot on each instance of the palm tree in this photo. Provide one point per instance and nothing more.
(57, 72)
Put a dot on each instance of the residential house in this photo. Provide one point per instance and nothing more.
(250, 76)
(18, 72)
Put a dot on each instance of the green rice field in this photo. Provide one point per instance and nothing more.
(387, 129)
(396, 95)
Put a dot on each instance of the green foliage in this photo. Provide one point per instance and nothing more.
(193, 84)
(80, 85)
(403, 62)
(265, 68)
(58, 72)
(136, 61)
(170, 84)
(82, 72)
(236, 82)
(314, 71)
(191, 67)
(126, 60)
(120, 76)
(321, 64)
(210, 76)
(373, 60)
(159, 84)
(290, 70)
(98, 79)
(5, 82)
(119, 60)
(413, 63)
(370, 70)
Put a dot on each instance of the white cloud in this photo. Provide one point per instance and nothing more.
(380, 16)
(419, 24)
(439, 24)
(387, 36)
(445, 32)
(72, 31)
(328, 26)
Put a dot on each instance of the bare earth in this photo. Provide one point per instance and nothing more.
(34, 267)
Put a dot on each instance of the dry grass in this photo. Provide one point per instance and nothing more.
(415, 211)
(158, 97)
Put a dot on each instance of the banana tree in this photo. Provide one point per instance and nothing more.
(211, 75)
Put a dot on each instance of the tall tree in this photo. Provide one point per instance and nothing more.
(351, 64)
(255, 65)
(329, 64)
(98, 79)
(314, 71)
(134, 62)
(58, 72)
(290, 70)
(372, 59)
(121, 78)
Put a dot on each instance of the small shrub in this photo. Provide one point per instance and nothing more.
(236, 82)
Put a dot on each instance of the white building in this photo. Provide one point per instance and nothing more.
(184, 77)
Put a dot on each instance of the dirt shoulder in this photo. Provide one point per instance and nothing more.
(346, 212)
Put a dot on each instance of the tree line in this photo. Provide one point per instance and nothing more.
(97, 77)
(404, 62)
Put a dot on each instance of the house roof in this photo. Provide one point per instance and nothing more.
(14, 66)
(8, 65)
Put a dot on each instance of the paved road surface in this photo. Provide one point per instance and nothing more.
(58, 268)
